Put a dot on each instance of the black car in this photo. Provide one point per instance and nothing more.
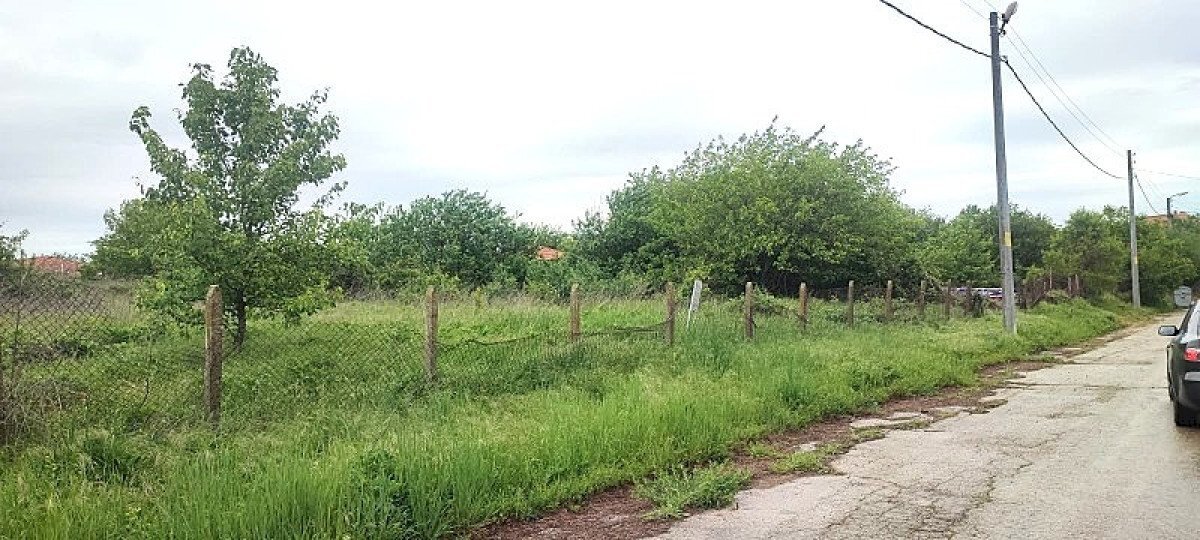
(1183, 368)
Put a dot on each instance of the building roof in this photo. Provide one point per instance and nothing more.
(55, 264)
(548, 254)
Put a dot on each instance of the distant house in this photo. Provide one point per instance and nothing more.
(548, 254)
(54, 264)
(1162, 219)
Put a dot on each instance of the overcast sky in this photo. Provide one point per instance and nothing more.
(548, 106)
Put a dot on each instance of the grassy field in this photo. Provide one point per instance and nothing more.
(330, 430)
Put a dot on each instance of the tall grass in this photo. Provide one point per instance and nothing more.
(326, 437)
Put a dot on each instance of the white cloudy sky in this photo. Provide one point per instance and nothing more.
(547, 106)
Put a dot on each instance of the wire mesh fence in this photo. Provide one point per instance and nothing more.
(79, 354)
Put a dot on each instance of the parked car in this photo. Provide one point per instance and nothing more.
(1183, 368)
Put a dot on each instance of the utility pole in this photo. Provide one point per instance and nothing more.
(1135, 285)
(1006, 257)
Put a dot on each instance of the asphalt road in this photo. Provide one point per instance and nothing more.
(1083, 450)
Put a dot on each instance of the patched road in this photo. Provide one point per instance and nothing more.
(1083, 450)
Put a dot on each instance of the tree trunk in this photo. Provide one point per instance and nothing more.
(239, 312)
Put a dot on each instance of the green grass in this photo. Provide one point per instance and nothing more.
(677, 489)
(329, 429)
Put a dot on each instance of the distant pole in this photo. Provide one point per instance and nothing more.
(803, 305)
(1006, 256)
(1135, 285)
(748, 310)
(672, 298)
(850, 304)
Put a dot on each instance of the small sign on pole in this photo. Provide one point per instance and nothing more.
(694, 304)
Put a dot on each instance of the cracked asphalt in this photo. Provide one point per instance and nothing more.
(1081, 450)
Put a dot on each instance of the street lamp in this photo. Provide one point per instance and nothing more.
(1170, 215)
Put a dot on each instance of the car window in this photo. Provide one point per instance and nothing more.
(1187, 319)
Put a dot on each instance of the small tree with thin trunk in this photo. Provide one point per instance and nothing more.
(226, 211)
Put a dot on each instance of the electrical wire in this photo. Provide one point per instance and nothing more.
(1029, 92)
(1144, 196)
(1053, 123)
(1160, 173)
(1060, 94)
(934, 30)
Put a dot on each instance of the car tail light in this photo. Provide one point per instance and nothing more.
(1191, 354)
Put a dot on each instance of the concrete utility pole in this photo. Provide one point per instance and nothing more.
(1135, 285)
(1006, 257)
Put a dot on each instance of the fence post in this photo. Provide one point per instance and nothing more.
(575, 325)
(947, 301)
(748, 310)
(431, 331)
(888, 312)
(672, 300)
(850, 304)
(803, 306)
(921, 302)
(214, 334)
(969, 301)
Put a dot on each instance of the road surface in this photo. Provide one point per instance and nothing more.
(1082, 450)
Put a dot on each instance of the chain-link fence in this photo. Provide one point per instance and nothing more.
(80, 354)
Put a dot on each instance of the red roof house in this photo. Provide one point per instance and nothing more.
(53, 264)
(548, 254)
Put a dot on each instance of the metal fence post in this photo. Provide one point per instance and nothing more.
(850, 304)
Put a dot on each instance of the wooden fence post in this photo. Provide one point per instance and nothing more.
(850, 304)
(969, 301)
(672, 300)
(748, 310)
(431, 332)
(921, 302)
(888, 311)
(803, 305)
(214, 335)
(575, 327)
(947, 301)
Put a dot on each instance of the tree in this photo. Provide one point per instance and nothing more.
(10, 253)
(960, 253)
(1093, 245)
(461, 234)
(1163, 261)
(776, 208)
(1031, 234)
(229, 214)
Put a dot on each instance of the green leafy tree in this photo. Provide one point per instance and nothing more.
(960, 253)
(10, 253)
(772, 207)
(1163, 261)
(460, 234)
(228, 212)
(1092, 244)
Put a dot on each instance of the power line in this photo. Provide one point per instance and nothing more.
(1073, 106)
(1053, 123)
(1024, 86)
(1065, 94)
(934, 30)
(1160, 173)
(1144, 196)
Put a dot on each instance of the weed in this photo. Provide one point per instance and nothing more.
(677, 489)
